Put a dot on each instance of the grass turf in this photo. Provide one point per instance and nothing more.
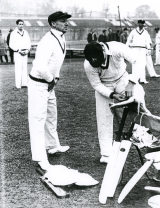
(21, 187)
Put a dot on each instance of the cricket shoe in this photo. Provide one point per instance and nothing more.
(155, 76)
(143, 82)
(104, 159)
(58, 149)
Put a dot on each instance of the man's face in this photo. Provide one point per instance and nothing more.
(20, 25)
(61, 25)
(141, 26)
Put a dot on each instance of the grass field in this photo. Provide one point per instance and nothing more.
(20, 183)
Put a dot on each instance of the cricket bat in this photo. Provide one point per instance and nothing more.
(118, 168)
(108, 173)
(135, 178)
(59, 192)
(108, 186)
(152, 188)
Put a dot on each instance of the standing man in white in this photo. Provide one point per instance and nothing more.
(42, 106)
(20, 43)
(149, 63)
(138, 42)
(157, 46)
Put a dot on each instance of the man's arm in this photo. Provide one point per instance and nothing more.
(94, 79)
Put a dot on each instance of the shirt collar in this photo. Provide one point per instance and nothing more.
(56, 32)
(140, 31)
(20, 32)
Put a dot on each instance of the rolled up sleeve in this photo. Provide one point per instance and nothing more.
(94, 79)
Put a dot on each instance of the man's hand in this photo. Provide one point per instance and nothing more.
(129, 89)
(119, 97)
(51, 85)
(24, 52)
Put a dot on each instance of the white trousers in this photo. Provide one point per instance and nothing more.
(138, 69)
(21, 74)
(105, 116)
(42, 115)
(149, 66)
(157, 61)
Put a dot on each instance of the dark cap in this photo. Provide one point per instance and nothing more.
(94, 54)
(57, 16)
(141, 21)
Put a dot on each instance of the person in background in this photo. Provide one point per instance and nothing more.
(20, 43)
(149, 63)
(42, 105)
(157, 46)
(10, 50)
(124, 35)
(3, 48)
(103, 37)
(105, 68)
(112, 36)
(138, 41)
(91, 36)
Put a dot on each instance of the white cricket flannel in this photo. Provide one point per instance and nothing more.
(99, 78)
(19, 40)
(49, 56)
(138, 38)
(157, 39)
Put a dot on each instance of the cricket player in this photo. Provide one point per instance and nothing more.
(105, 68)
(138, 40)
(157, 46)
(149, 62)
(42, 106)
(20, 43)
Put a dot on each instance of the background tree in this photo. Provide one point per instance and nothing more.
(145, 11)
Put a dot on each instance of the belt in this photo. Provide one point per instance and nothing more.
(38, 80)
(138, 47)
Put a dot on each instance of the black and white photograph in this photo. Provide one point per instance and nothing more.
(79, 104)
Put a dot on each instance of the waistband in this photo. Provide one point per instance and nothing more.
(37, 79)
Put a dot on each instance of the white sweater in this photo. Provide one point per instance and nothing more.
(100, 78)
(49, 56)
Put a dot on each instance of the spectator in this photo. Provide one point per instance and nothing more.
(111, 35)
(20, 43)
(3, 48)
(10, 50)
(42, 106)
(91, 37)
(124, 35)
(103, 37)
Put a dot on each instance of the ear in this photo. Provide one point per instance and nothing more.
(53, 24)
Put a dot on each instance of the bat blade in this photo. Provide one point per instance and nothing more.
(105, 186)
(118, 168)
(135, 178)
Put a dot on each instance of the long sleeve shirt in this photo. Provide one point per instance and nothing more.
(19, 40)
(49, 56)
(100, 78)
(138, 38)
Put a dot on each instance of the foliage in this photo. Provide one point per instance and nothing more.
(144, 11)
